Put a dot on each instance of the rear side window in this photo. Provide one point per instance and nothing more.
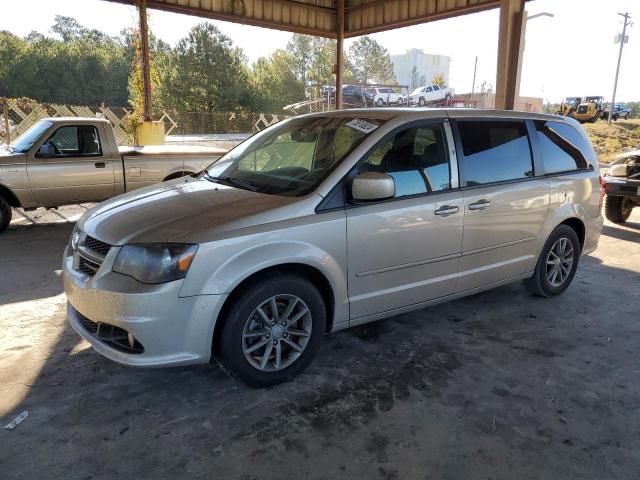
(561, 146)
(494, 152)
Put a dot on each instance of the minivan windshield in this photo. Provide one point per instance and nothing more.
(25, 141)
(293, 157)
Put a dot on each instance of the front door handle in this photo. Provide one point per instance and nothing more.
(100, 164)
(479, 205)
(446, 210)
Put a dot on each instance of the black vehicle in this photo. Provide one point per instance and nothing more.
(622, 187)
(353, 96)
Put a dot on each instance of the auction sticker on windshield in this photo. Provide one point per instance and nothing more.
(362, 125)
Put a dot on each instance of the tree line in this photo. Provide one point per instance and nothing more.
(205, 71)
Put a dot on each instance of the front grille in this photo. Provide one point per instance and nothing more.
(90, 255)
(87, 267)
(112, 336)
(96, 245)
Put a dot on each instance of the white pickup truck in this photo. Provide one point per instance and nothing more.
(61, 161)
(386, 96)
(430, 93)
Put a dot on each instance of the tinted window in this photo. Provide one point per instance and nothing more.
(416, 158)
(76, 141)
(436, 88)
(494, 152)
(561, 146)
(428, 89)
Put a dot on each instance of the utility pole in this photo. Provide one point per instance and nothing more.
(627, 21)
(473, 86)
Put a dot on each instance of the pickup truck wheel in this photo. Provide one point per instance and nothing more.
(557, 263)
(380, 102)
(617, 209)
(5, 214)
(272, 330)
(421, 102)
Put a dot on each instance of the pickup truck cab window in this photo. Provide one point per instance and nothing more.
(428, 89)
(76, 141)
(436, 88)
(494, 152)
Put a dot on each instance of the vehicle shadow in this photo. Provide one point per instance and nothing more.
(491, 367)
(628, 231)
(31, 258)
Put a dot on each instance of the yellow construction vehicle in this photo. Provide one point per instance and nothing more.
(589, 110)
(569, 106)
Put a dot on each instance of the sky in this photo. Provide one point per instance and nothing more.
(571, 54)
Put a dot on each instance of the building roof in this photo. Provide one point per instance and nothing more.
(319, 17)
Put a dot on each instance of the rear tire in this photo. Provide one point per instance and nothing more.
(250, 322)
(380, 103)
(5, 214)
(557, 263)
(617, 209)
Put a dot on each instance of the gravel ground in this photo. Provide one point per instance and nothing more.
(499, 385)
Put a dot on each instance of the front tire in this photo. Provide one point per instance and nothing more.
(421, 102)
(617, 209)
(557, 263)
(272, 330)
(5, 214)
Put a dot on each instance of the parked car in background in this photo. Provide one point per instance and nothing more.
(383, 96)
(326, 221)
(430, 93)
(61, 161)
(353, 96)
(620, 110)
(622, 187)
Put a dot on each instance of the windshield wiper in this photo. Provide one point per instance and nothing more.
(233, 181)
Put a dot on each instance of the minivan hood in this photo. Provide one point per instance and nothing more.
(163, 212)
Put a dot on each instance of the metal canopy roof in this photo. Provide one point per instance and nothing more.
(320, 17)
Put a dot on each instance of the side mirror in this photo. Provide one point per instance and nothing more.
(46, 150)
(370, 186)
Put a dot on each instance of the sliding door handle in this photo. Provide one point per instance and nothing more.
(479, 205)
(100, 164)
(446, 210)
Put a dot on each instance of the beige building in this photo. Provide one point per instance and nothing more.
(415, 68)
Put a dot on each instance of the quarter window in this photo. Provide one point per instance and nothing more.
(494, 152)
(416, 158)
(561, 146)
(76, 141)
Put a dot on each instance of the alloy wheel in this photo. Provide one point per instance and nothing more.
(276, 333)
(559, 262)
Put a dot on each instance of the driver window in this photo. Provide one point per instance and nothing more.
(416, 158)
(76, 141)
(429, 89)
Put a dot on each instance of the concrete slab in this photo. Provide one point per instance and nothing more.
(500, 385)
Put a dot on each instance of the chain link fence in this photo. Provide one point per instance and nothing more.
(200, 128)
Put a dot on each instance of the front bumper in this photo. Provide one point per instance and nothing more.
(623, 187)
(172, 330)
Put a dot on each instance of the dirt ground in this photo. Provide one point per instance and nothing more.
(500, 385)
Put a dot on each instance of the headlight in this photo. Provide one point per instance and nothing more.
(155, 263)
(75, 237)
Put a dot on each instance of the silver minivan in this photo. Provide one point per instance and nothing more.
(326, 221)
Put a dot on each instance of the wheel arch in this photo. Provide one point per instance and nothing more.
(313, 274)
(578, 226)
(178, 174)
(9, 196)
